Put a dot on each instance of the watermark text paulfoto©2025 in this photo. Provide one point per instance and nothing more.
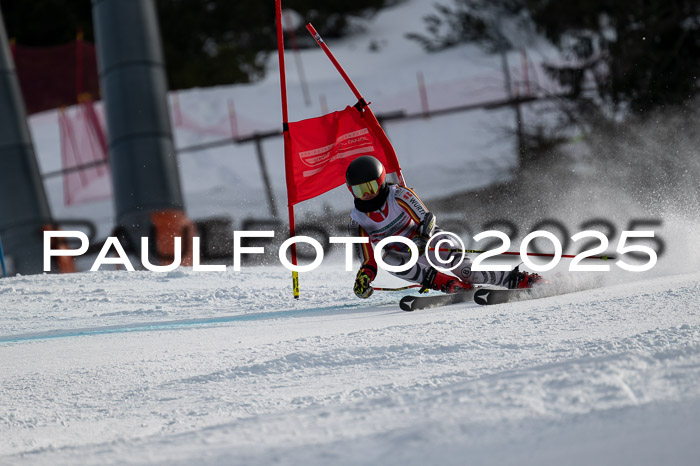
(446, 241)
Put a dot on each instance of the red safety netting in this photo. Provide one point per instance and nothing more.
(52, 77)
(84, 144)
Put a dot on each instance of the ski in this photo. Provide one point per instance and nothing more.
(488, 296)
(414, 303)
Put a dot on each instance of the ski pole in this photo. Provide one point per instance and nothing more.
(514, 253)
(396, 289)
(476, 287)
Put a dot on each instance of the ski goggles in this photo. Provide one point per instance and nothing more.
(370, 187)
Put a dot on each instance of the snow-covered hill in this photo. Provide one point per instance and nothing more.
(199, 368)
(225, 368)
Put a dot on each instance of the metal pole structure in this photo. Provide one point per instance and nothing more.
(24, 208)
(133, 82)
(2, 260)
(266, 177)
(423, 94)
(297, 57)
(503, 49)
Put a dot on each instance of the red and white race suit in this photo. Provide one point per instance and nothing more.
(400, 216)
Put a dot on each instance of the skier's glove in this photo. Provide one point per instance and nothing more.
(425, 230)
(420, 243)
(362, 287)
(427, 225)
(428, 281)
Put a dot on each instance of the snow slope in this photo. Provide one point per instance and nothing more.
(224, 368)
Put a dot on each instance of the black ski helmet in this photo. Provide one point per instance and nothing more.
(365, 173)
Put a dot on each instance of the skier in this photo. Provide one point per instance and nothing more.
(383, 210)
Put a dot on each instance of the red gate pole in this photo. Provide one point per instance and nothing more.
(362, 105)
(232, 119)
(423, 94)
(287, 142)
(330, 56)
(78, 64)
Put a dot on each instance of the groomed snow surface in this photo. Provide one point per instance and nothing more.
(225, 368)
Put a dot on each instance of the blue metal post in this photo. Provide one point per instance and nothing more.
(24, 208)
(132, 78)
(2, 260)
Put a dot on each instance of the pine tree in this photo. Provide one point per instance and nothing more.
(620, 57)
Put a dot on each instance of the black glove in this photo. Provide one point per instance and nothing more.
(420, 242)
(424, 232)
(427, 225)
(362, 286)
(428, 281)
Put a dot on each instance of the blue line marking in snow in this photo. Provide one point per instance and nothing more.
(168, 325)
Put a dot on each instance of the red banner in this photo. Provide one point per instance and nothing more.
(322, 148)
